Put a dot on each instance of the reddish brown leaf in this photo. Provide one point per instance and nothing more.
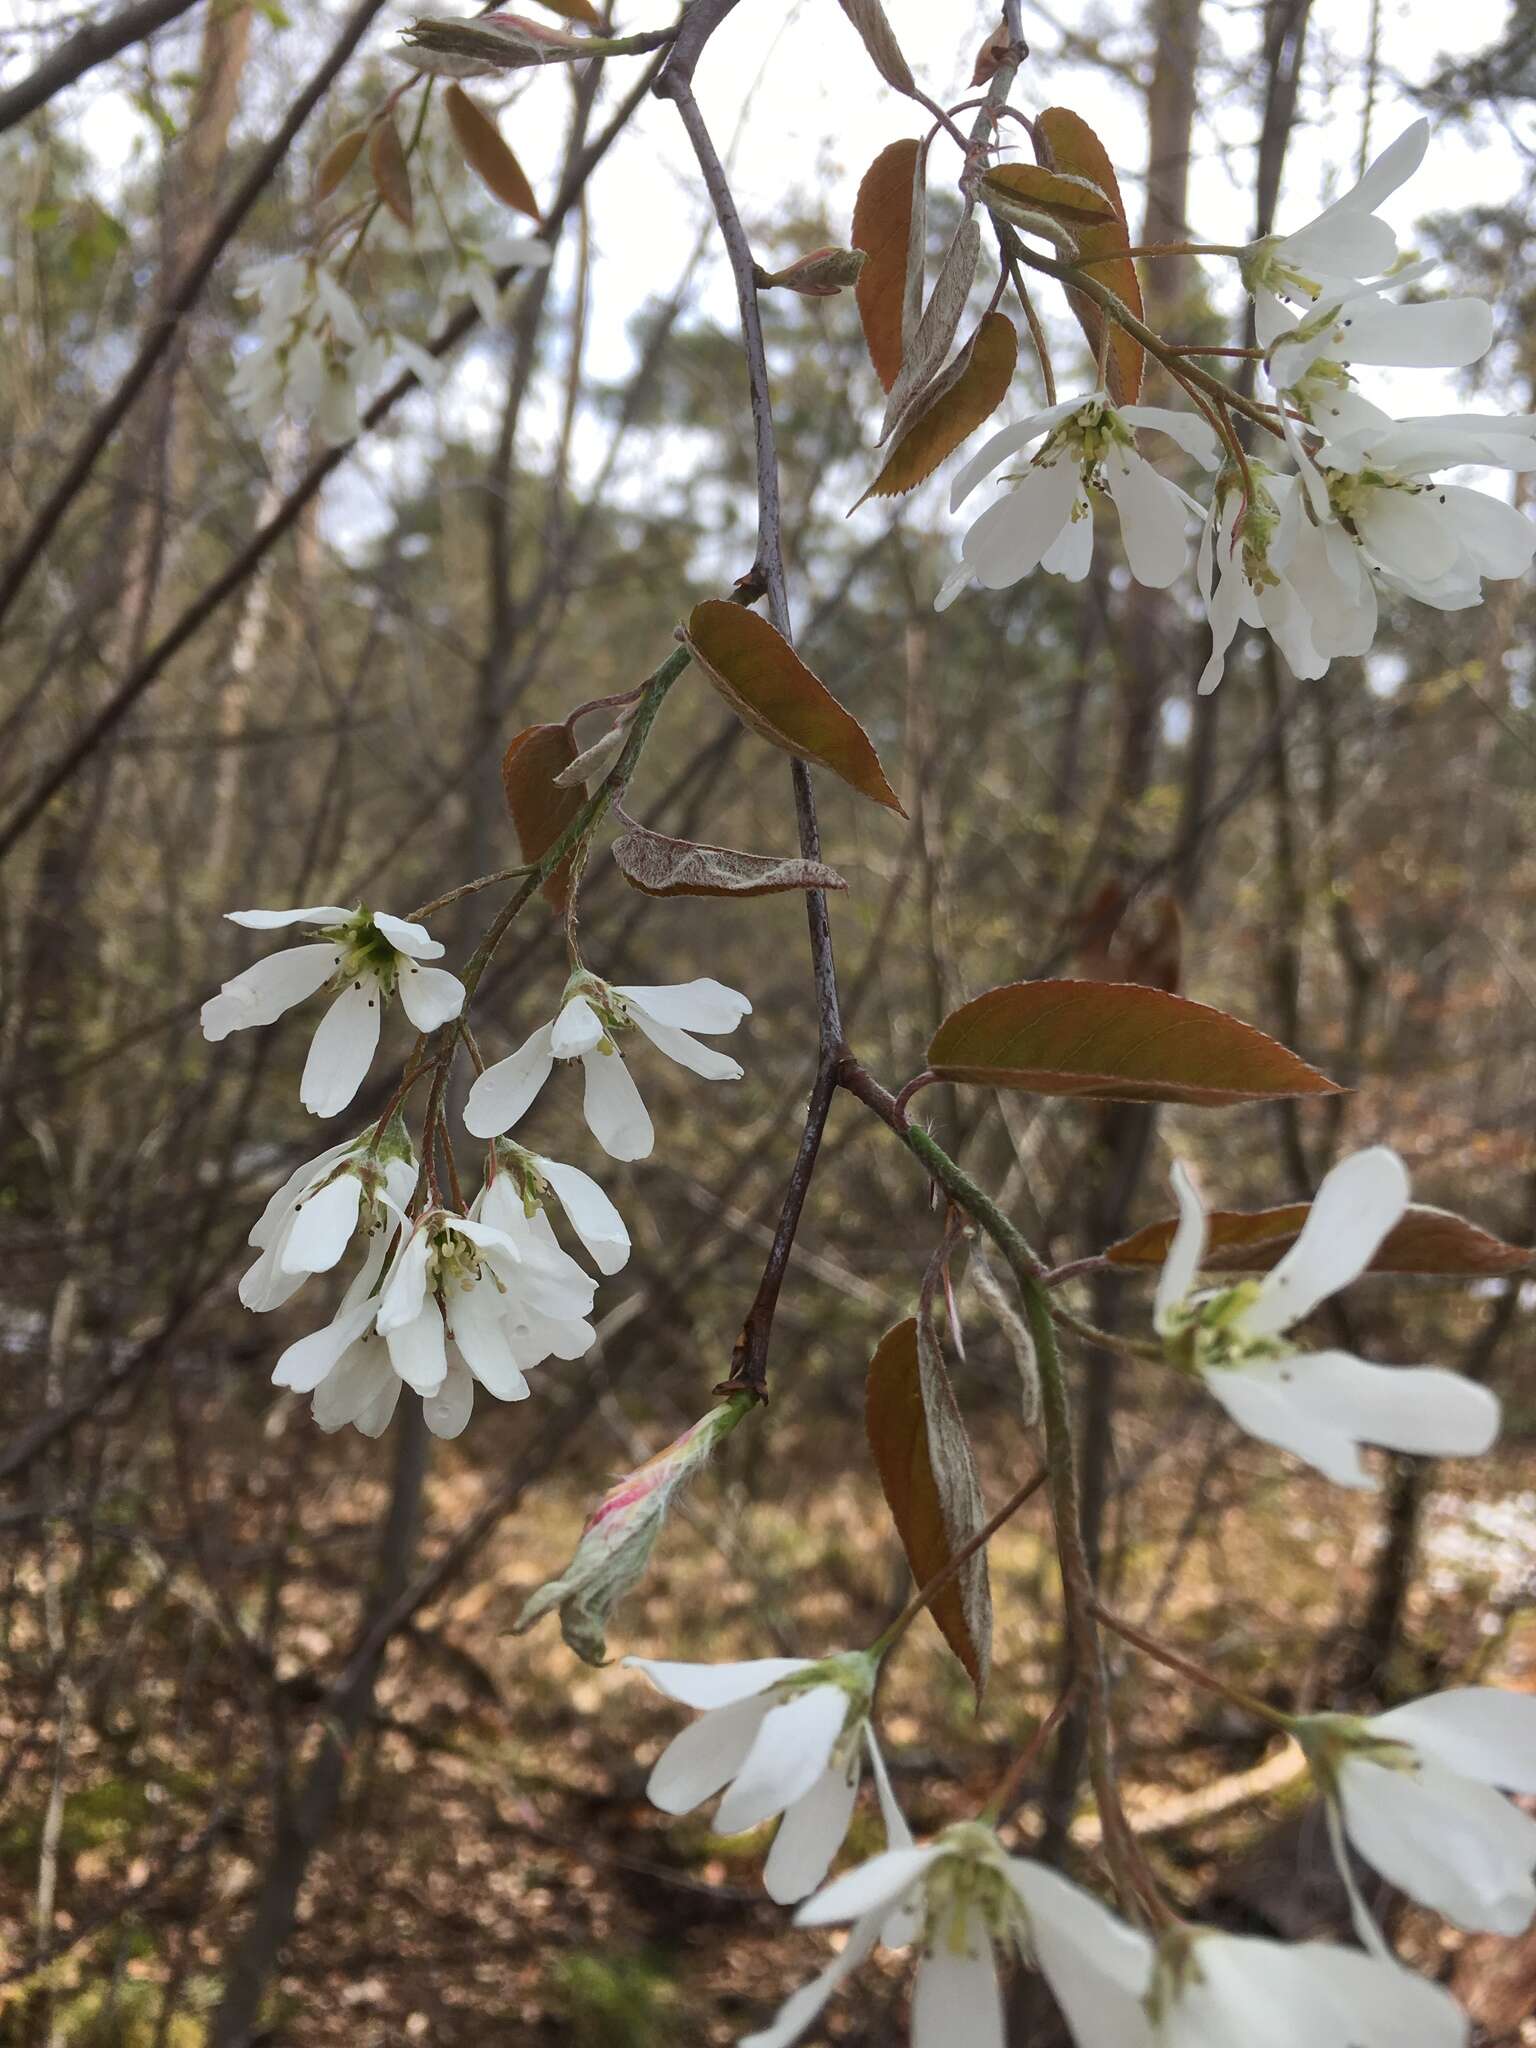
(954, 406)
(882, 228)
(1064, 142)
(926, 1471)
(991, 54)
(1116, 1042)
(336, 163)
(575, 10)
(391, 174)
(819, 274)
(660, 866)
(879, 39)
(540, 811)
(770, 688)
(487, 154)
(1252, 1240)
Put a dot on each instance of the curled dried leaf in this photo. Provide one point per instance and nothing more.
(879, 39)
(660, 866)
(928, 1475)
(594, 764)
(938, 325)
(954, 405)
(1424, 1240)
(1014, 188)
(494, 42)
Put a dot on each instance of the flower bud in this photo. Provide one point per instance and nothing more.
(616, 1543)
(820, 274)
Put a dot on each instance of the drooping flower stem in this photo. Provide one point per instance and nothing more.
(1197, 1674)
(1133, 1878)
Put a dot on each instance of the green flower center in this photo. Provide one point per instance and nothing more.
(1207, 1332)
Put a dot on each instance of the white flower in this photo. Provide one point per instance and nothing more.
(461, 1302)
(1345, 244)
(1196, 1988)
(1320, 1405)
(368, 956)
(312, 1218)
(1368, 328)
(474, 271)
(1047, 518)
(1252, 544)
(787, 1736)
(1414, 1791)
(592, 1016)
(312, 350)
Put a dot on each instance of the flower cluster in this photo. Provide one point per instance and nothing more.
(443, 1300)
(1305, 554)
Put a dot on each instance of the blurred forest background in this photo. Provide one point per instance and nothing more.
(233, 1806)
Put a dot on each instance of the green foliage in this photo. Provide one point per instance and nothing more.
(611, 2000)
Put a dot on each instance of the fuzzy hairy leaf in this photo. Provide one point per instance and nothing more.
(660, 866)
(541, 811)
(953, 407)
(1116, 1042)
(928, 1475)
(770, 689)
(879, 39)
(1066, 143)
(487, 154)
(936, 329)
(1426, 1240)
(888, 218)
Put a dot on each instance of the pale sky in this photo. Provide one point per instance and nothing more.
(791, 95)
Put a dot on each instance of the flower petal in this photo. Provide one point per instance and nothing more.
(1196, 436)
(1267, 1994)
(611, 1104)
(414, 940)
(1258, 1404)
(577, 1029)
(275, 920)
(716, 1685)
(590, 1214)
(305, 1364)
(873, 1887)
(1357, 1204)
(341, 1051)
(267, 989)
(790, 1752)
(1177, 1279)
(956, 1998)
(1151, 518)
(1000, 446)
(1483, 1731)
(323, 1224)
(358, 1378)
(429, 996)
(1010, 537)
(1098, 1969)
(703, 1005)
(687, 1052)
(477, 1324)
(811, 1833)
(1456, 1846)
(503, 1092)
(1421, 1409)
(418, 1349)
(447, 1412)
(706, 1755)
(802, 2006)
(1407, 531)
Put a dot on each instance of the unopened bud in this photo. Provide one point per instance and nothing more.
(820, 274)
(615, 1546)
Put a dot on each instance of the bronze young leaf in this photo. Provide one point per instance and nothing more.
(1116, 1042)
(770, 688)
